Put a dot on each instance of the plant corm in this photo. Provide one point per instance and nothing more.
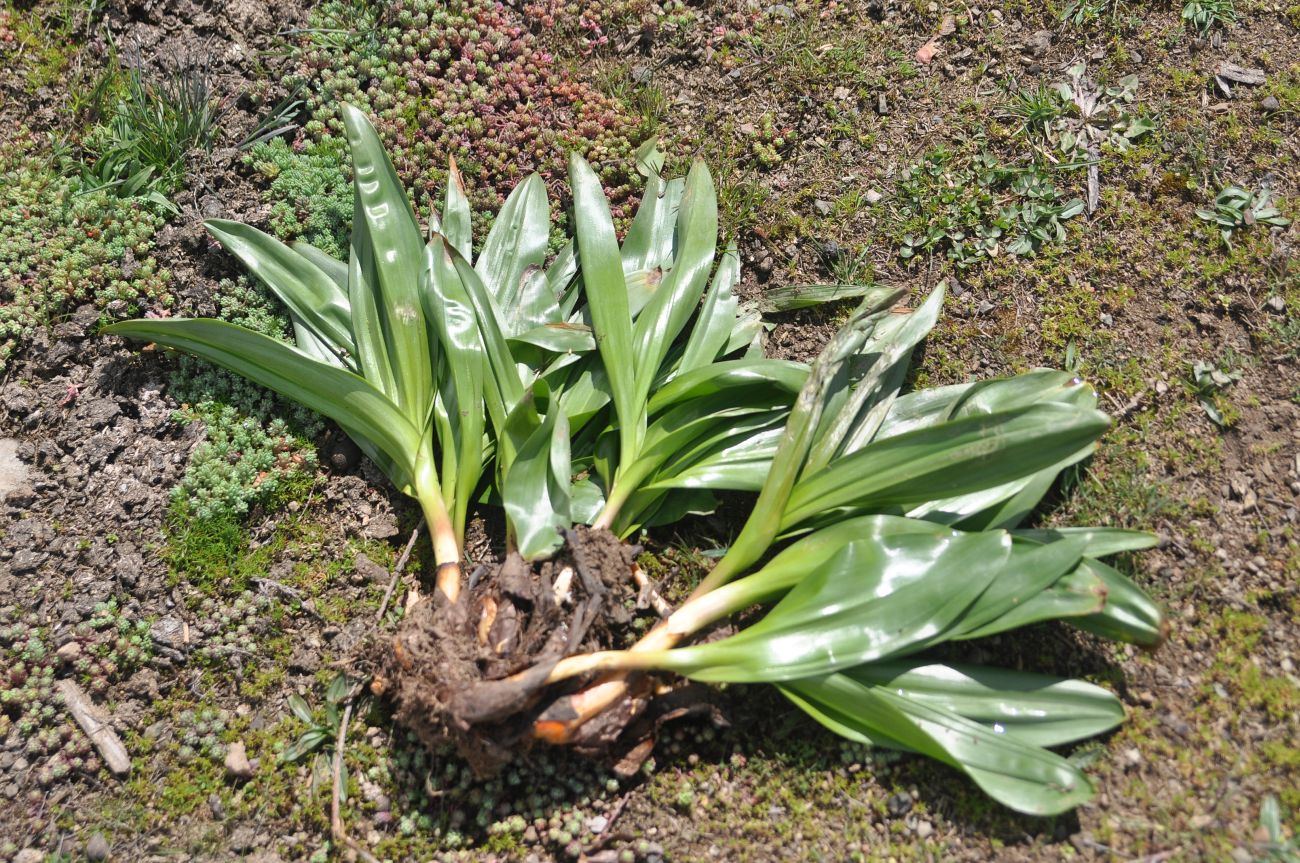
(623, 387)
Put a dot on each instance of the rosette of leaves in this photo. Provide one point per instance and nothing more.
(622, 386)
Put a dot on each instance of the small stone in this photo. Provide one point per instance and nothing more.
(780, 10)
(216, 807)
(243, 839)
(29, 855)
(597, 824)
(832, 251)
(1269, 104)
(823, 208)
(899, 804)
(1137, 58)
(27, 560)
(1276, 303)
(70, 652)
(1241, 855)
(237, 764)
(882, 105)
(924, 829)
(641, 73)
(984, 308)
(873, 197)
(1039, 43)
(1161, 388)
(1107, 320)
(97, 848)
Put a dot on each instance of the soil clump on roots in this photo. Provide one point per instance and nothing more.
(473, 672)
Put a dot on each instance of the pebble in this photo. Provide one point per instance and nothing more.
(874, 197)
(29, 855)
(237, 764)
(823, 208)
(216, 807)
(882, 105)
(1270, 104)
(1276, 303)
(597, 824)
(70, 652)
(97, 849)
(1039, 43)
(899, 804)
(924, 829)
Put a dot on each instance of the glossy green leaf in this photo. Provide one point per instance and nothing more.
(536, 492)
(455, 224)
(676, 300)
(1025, 778)
(337, 270)
(860, 606)
(516, 243)
(717, 316)
(956, 457)
(356, 405)
(1032, 708)
(606, 290)
(309, 293)
(398, 260)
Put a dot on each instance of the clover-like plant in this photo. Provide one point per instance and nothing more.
(623, 386)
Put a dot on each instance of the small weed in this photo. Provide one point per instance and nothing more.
(319, 737)
(1210, 381)
(1236, 208)
(973, 213)
(1204, 15)
(1277, 848)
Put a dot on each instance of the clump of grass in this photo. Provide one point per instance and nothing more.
(150, 126)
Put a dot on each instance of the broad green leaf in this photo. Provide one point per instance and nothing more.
(536, 492)
(791, 298)
(676, 300)
(398, 259)
(557, 338)
(1032, 708)
(352, 402)
(516, 242)
(648, 244)
(372, 357)
(505, 373)
(455, 223)
(1098, 541)
(1128, 614)
(308, 291)
(765, 519)
(860, 606)
(729, 375)
(337, 270)
(1029, 570)
(888, 349)
(956, 457)
(1026, 778)
(717, 317)
(611, 322)
(462, 405)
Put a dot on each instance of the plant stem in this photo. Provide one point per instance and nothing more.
(442, 532)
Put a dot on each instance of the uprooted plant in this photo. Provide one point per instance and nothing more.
(621, 387)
